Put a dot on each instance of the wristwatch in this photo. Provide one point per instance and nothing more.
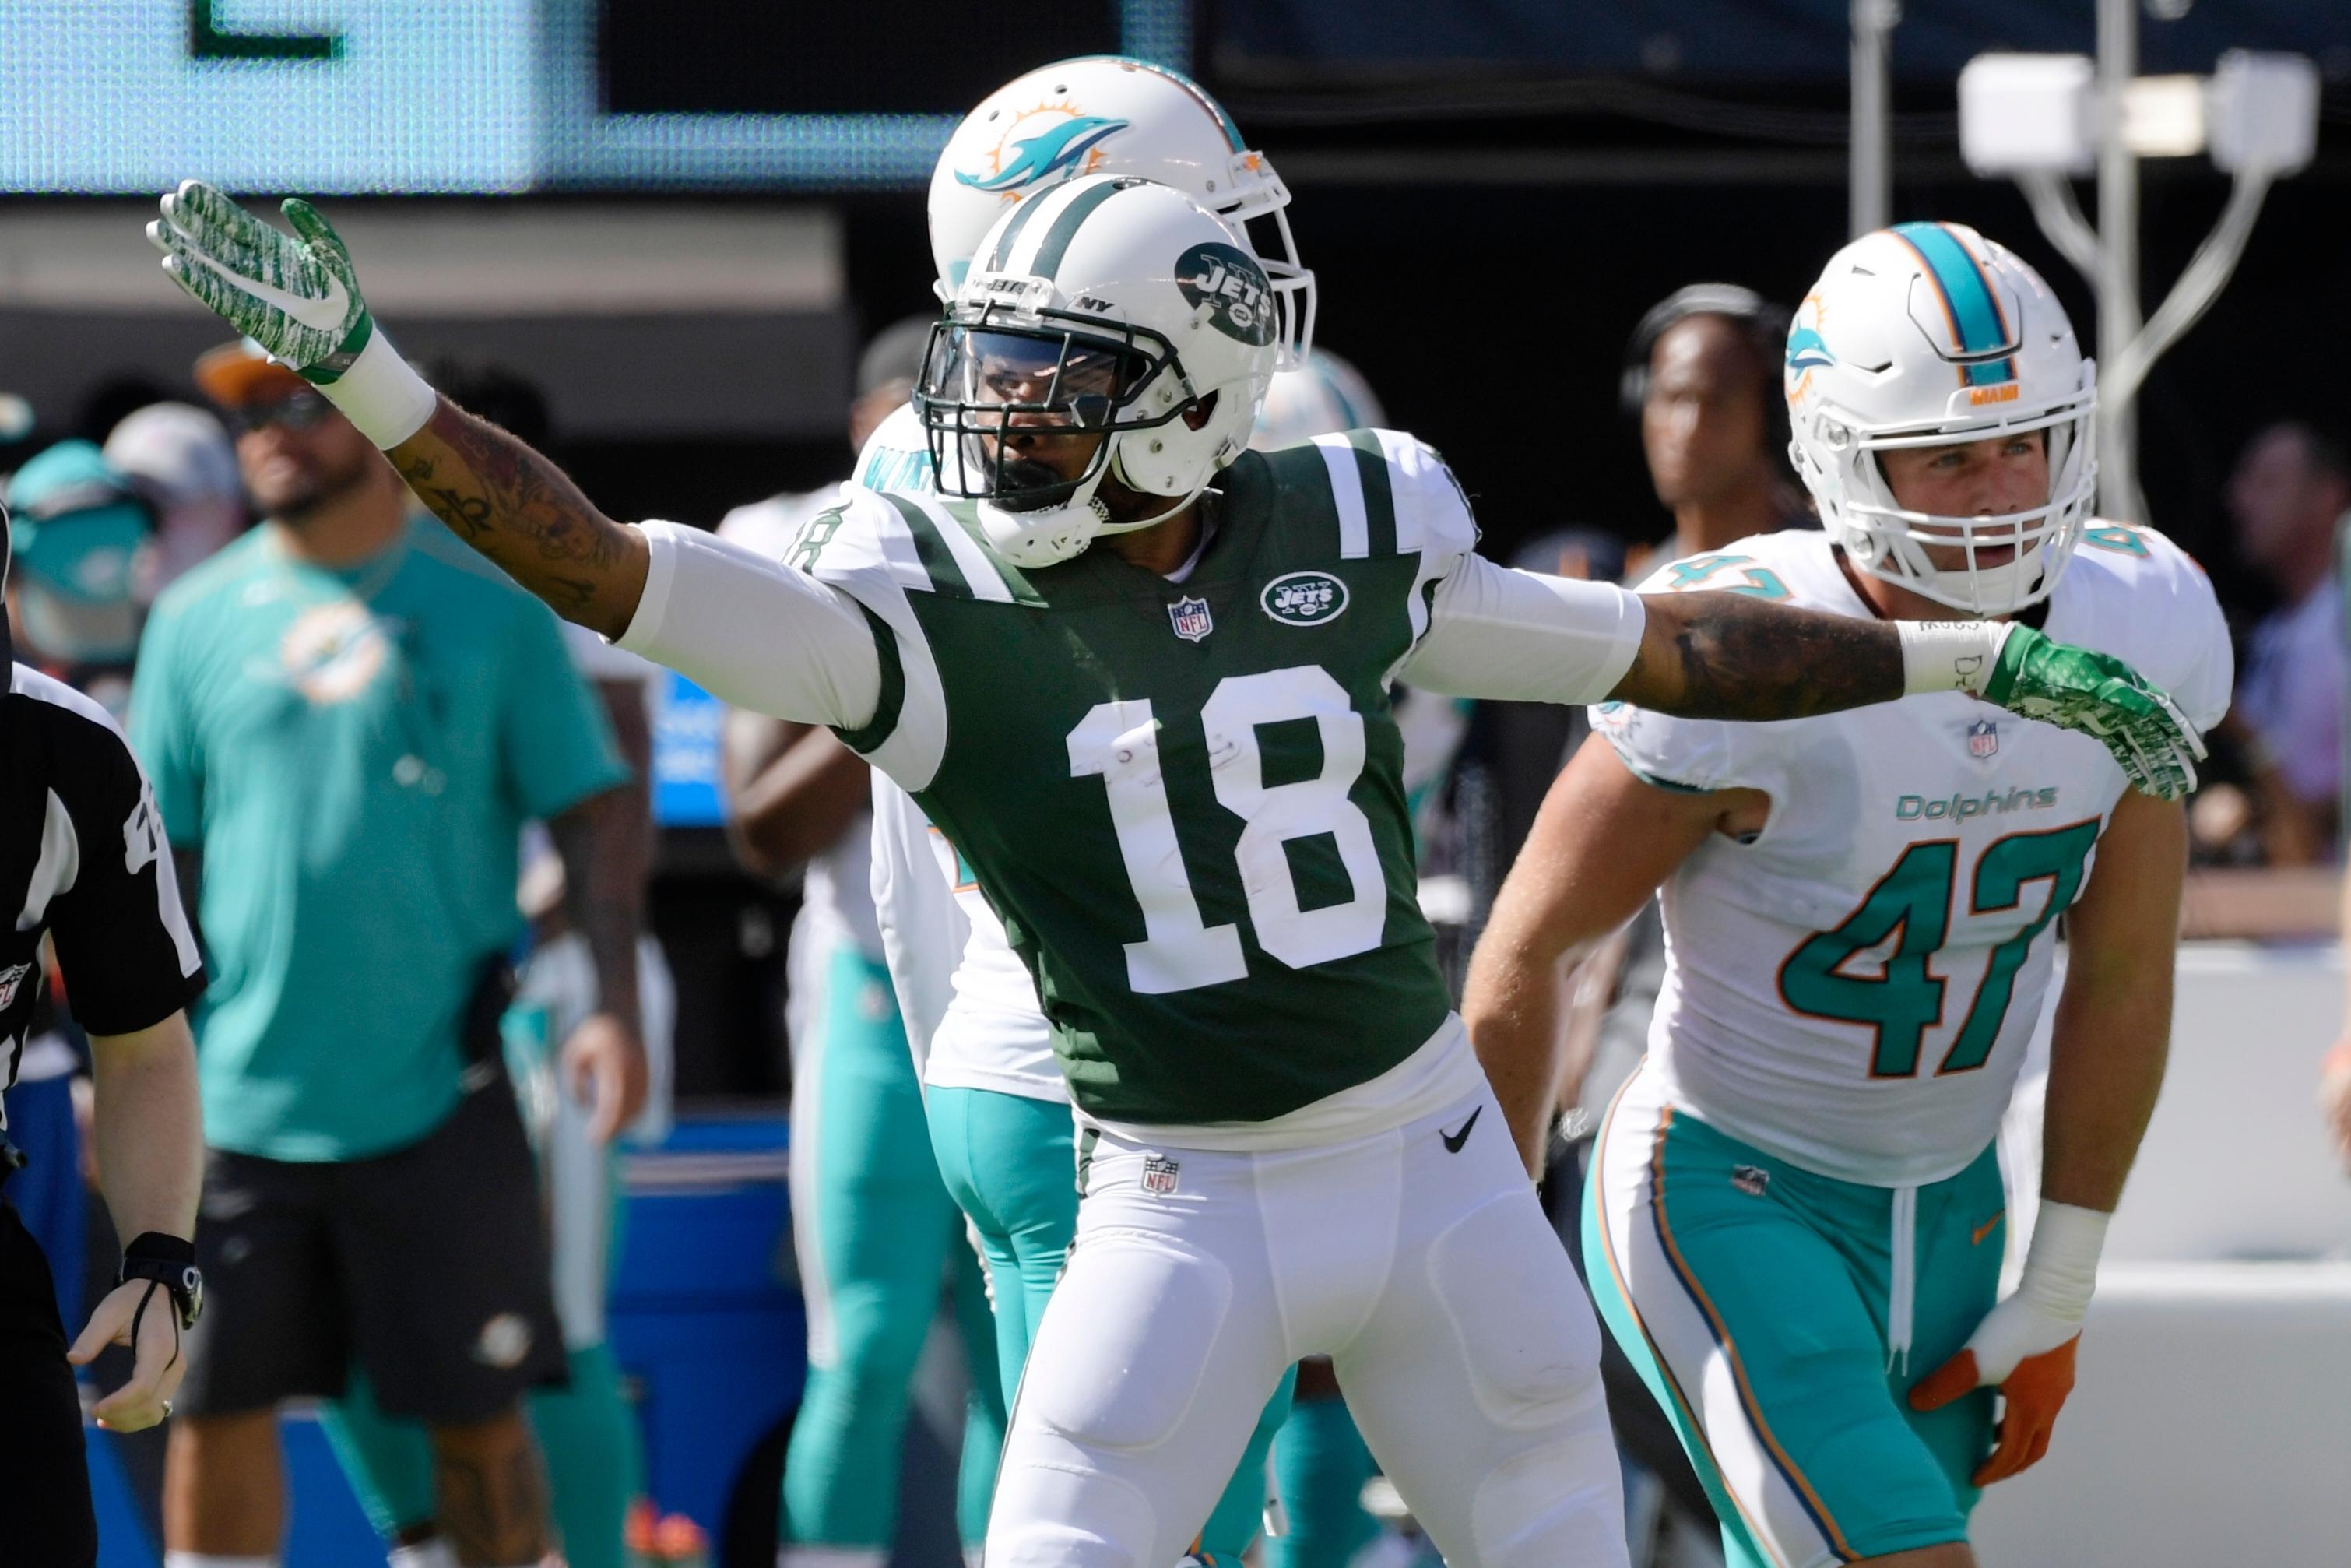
(171, 1262)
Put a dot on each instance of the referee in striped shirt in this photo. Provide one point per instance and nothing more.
(82, 861)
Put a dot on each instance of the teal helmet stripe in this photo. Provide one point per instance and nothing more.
(1068, 221)
(1975, 312)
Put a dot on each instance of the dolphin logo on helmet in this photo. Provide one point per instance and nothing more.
(1058, 149)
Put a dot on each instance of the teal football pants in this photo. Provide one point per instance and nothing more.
(1781, 1316)
(876, 1233)
(1010, 1162)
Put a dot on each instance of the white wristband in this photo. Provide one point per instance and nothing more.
(2061, 1267)
(1949, 656)
(382, 395)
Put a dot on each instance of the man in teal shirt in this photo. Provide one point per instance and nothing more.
(349, 718)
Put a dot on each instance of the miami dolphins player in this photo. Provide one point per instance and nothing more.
(1138, 678)
(1794, 1218)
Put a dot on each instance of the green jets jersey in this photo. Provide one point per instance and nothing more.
(1185, 799)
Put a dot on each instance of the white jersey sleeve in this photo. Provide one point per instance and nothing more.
(753, 631)
(1486, 630)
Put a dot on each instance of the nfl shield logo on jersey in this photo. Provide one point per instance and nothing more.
(1983, 737)
(1160, 1176)
(1191, 618)
(10, 978)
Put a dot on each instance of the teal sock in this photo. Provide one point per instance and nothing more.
(388, 1461)
(983, 1426)
(593, 1465)
(1240, 1515)
(1320, 1467)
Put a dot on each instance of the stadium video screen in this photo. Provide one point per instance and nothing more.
(450, 96)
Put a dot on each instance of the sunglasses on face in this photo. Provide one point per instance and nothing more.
(296, 410)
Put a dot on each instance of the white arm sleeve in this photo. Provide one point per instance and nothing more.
(755, 632)
(1523, 636)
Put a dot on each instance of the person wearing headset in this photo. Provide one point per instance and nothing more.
(1701, 380)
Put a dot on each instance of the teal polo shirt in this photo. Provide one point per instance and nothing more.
(354, 752)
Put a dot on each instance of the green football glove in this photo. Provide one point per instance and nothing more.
(297, 297)
(2101, 696)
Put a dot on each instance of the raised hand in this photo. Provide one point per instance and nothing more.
(297, 296)
(2100, 696)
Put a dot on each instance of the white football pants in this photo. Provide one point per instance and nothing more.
(1466, 1349)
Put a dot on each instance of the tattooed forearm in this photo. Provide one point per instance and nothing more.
(1727, 655)
(522, 512)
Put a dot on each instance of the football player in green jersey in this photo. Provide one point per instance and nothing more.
(1153, 719)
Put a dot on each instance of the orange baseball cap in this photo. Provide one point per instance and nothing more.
(239, 373)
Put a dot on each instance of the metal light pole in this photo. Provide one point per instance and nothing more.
(1870, 174)
(2118, 262)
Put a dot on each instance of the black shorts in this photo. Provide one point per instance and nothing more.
(44, 1508)
(427, 1266)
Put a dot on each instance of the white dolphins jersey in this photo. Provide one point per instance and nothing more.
(836, 896)
(1853, 990)
(970, 1008)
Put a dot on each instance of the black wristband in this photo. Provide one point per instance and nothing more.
(162, 1248)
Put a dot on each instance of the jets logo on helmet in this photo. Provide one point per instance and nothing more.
(1227, 280)
(1930, 335)
(1051, 140)
(1109, 115)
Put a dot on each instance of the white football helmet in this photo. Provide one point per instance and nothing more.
(1105, 114)
(1927, 335)
(1322, 397)
(1110, 304)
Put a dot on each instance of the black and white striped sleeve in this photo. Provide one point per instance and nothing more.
(123, 942)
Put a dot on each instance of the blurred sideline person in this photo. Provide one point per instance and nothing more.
(585, 1432)
(183, 458)
(82, 862)
(1280, 1107)
(2290, 496)
(997, 1103)
(1803, 1174)
(1701, 378)
(874, 1231)
(348, 723)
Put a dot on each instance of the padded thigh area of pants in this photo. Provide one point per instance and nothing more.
(1518, 1315)
(1126, 1341)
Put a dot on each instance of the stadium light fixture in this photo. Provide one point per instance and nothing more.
(2040, 119)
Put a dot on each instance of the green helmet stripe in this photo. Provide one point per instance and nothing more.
(1066, 224)
(1011, 235)
(869, 735)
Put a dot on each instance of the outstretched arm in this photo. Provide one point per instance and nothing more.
(524, 513)
(1731, 655)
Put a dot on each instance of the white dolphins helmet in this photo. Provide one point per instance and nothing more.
(1105, 114)
(1323, 397)
(1927, 335)
(1110, 304)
